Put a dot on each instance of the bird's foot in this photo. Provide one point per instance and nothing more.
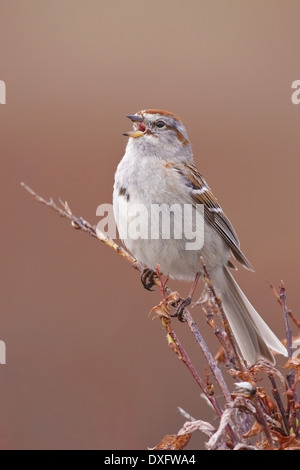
(183, 303)
(147, 278)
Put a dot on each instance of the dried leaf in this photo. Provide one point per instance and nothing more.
(264, 366)
(293, 363)
(158, 312)
(286, 442)
(269, 405)
(256, 429)
(236, 373)
(220, 356)
(173, 442)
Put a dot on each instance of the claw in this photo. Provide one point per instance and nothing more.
(180, 309)
(147, 278)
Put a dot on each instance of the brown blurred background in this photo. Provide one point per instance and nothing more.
(86, 367)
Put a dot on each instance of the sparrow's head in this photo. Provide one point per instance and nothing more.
(159, 133)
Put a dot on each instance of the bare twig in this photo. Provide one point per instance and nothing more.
(289, 312)
(288, 333)
(277, 397)
(185, 414)
(220, 334)
(80, 223)
(176, 346)
(236, 357)
(208, 356)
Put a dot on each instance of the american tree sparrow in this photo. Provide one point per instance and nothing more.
(158, 168)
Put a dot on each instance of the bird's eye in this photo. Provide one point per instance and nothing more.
(160, 124)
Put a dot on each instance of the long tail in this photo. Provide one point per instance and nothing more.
(254, 337)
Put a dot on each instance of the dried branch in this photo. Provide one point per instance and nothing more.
(235, 358)
(288, 331)
(278, 399)
(80, 223)
(176, 346)
(279, 425)
(208, 356)
(217, 439)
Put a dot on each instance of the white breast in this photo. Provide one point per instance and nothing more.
(142, 182)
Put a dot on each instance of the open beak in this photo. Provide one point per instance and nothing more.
(139, 127)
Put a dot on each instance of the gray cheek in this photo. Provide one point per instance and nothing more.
(170, 138)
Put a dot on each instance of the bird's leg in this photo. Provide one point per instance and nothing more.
(204, 297)
(186, 302)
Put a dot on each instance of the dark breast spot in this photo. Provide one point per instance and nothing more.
(123, 192)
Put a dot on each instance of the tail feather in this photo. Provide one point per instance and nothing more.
(255, 339)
